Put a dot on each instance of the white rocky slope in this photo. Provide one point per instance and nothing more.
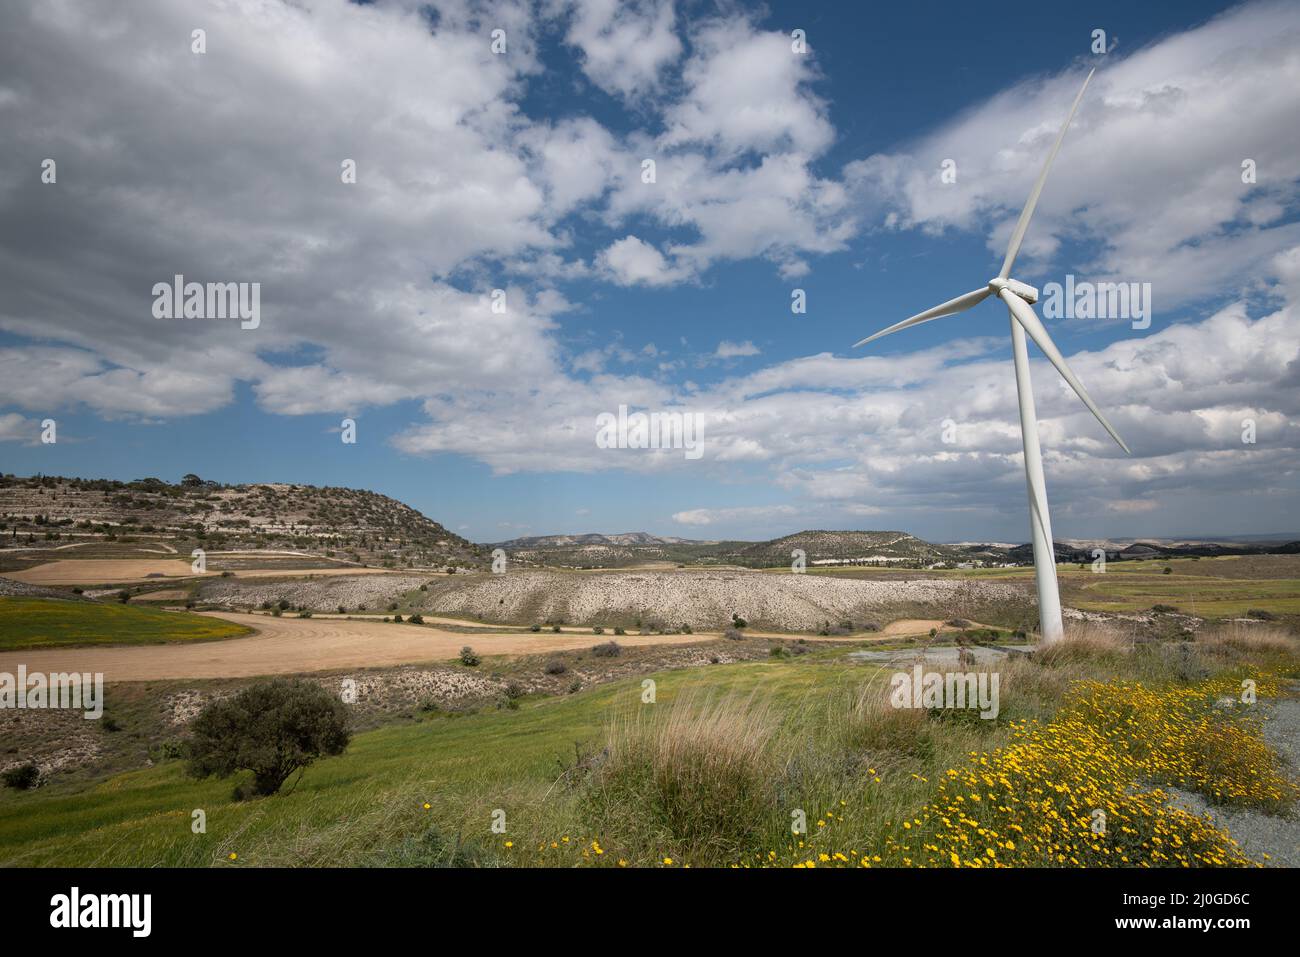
(702, 599)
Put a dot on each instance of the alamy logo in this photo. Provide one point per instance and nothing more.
(214, 300)
(79, 692)
(1102, 300)
(75, 909)
(654, 430)
(951, 690)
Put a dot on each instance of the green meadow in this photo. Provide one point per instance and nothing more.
(52, 623)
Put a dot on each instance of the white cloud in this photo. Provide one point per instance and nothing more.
(625, 45)
(730, 350)
(711, 516)
(749, 90)
(631, 261)
(1150, 171)
(16, 428)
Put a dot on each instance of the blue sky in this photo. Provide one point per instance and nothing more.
(776, 171)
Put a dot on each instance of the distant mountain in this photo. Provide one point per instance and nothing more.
(1083, 550)
(820, 548)
(595, 538)
(823, 547)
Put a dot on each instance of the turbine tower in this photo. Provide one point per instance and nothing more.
(1019, 298)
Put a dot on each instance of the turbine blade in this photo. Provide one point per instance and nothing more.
(1023, 223)
(951, 307)
(1032, 325)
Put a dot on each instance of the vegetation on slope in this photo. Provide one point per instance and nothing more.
(50, 623)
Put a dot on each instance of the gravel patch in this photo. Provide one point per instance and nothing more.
(12, 588)
(1256, 832)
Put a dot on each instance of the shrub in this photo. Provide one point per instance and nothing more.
(416, 619)
(575, 685)
(397, 618)
(24, 777)
(1164, 609)
(778, 651)
(1167, 570)
(343, 610)
(598, 630)
(515, 690)
(468, 658)
(556, 667)
(555, 628)
(737, 621)
(272, 728)
(284, 604)
(618, 630)
(534, 627)
(957, 623)
(610, 649)
(304, 614)
(732, 634)
(686, 629)
(123, 596)
(694, 780)
(1259, 614)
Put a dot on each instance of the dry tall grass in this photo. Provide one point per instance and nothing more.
(698, 775)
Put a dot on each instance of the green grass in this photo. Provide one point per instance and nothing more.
(52, 623)
(368, 806)
(360, 807)
(1222, 587)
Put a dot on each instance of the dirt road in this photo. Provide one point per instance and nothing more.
(290, 645)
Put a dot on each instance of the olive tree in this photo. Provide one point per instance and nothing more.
(272, 728)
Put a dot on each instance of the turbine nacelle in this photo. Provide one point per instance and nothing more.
(1014, 286)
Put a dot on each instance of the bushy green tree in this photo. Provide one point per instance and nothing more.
(272, 728)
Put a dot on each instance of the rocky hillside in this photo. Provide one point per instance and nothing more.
(847, 548)
(616, 551)
(822, 548)
(346, 524)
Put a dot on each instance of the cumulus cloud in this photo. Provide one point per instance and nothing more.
(625, 45)
(631, 261)
(16, 428)
(1152, 169)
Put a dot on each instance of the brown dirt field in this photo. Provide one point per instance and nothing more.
(294, 645)
(94, 571)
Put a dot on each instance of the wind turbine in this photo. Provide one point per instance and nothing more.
(1019, 298)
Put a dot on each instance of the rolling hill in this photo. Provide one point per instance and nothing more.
(350, 525)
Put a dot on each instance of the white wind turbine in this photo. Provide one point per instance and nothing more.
(1019, 297)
